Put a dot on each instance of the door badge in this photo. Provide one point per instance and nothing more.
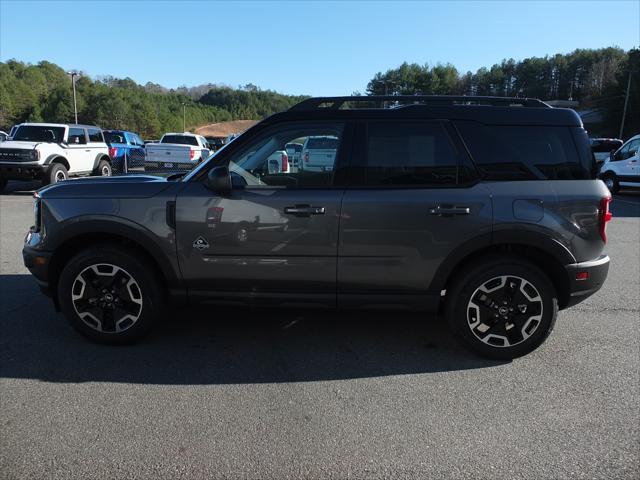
(200, 243)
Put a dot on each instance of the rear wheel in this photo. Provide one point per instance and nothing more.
(611, 181)
(110, 295)
(503, 307)
(103, 169)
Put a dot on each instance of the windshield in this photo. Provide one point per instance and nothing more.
(33, 133)
(180, 140)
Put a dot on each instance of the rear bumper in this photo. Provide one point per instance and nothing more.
(596, 273)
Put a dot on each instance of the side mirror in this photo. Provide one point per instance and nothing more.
(219, 180)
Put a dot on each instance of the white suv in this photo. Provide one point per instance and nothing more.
(51, 152)
(622, 168)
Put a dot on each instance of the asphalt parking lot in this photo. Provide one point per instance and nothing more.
(222, 393)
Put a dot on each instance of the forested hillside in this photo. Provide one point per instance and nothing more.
(43, 92)
(595, 78)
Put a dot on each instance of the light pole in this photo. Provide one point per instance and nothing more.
(626, 102)
(73, 83)
(184, 117)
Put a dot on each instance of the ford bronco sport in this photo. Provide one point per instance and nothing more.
(51, 152)
(484, 209)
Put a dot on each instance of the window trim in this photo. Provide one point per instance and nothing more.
(359, 156)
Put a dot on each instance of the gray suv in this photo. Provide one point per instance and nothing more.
(486, 210)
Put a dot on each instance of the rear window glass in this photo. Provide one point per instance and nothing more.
(328, 143)
(605, 146)
(524, 152)
(180, 139)
(114, 137)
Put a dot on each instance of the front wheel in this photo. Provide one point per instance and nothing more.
(503, 307)
(611, 181)
(110, 295)
(57, 173)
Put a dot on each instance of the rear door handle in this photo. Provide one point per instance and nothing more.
(440, 210)
(304, 210)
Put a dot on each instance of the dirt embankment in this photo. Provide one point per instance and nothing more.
(224, 129)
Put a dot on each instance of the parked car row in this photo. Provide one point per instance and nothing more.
(621, 167)
(52, 152)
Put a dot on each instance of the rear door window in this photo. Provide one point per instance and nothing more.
(77, 136)
(407, 154)
(524, 152)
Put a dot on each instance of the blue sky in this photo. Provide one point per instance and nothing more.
(317, 48)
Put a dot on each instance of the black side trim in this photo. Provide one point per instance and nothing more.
(171, 214)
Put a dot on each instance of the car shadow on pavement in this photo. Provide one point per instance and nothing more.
(21, 188)
(216, 345)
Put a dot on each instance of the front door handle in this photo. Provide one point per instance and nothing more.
(304, 210)
(440, 210)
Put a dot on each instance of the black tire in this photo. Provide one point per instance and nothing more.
(610, 179)
(57, 173)
(479, 322)
(3, 184)
(95, 273)
(103, 169)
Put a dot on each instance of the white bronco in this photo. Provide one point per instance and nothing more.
(52, 152)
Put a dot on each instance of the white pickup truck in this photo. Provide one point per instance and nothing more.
(176, 151)
(52, 152)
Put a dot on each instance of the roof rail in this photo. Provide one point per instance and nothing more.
(336, 103)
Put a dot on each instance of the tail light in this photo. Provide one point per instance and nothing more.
(306, 156)
(285, 162)
(192, 154)
(604, 217)
(113, 151)
(214, 215)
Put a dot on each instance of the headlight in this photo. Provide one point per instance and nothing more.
(35, 155)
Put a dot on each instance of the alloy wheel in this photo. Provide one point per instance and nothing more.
(504, 311)
(60, 176)
(107, 298)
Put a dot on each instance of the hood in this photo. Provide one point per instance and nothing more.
(126, 186)
(23, 145)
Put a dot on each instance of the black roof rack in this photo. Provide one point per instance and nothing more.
(336, 103)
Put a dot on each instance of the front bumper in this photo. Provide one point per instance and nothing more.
(17, 171)
(595, 272)
(37, 261)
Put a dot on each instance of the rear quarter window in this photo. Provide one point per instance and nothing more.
(527, 152)
(95, 135)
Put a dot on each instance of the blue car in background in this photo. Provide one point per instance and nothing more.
(125, 149)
